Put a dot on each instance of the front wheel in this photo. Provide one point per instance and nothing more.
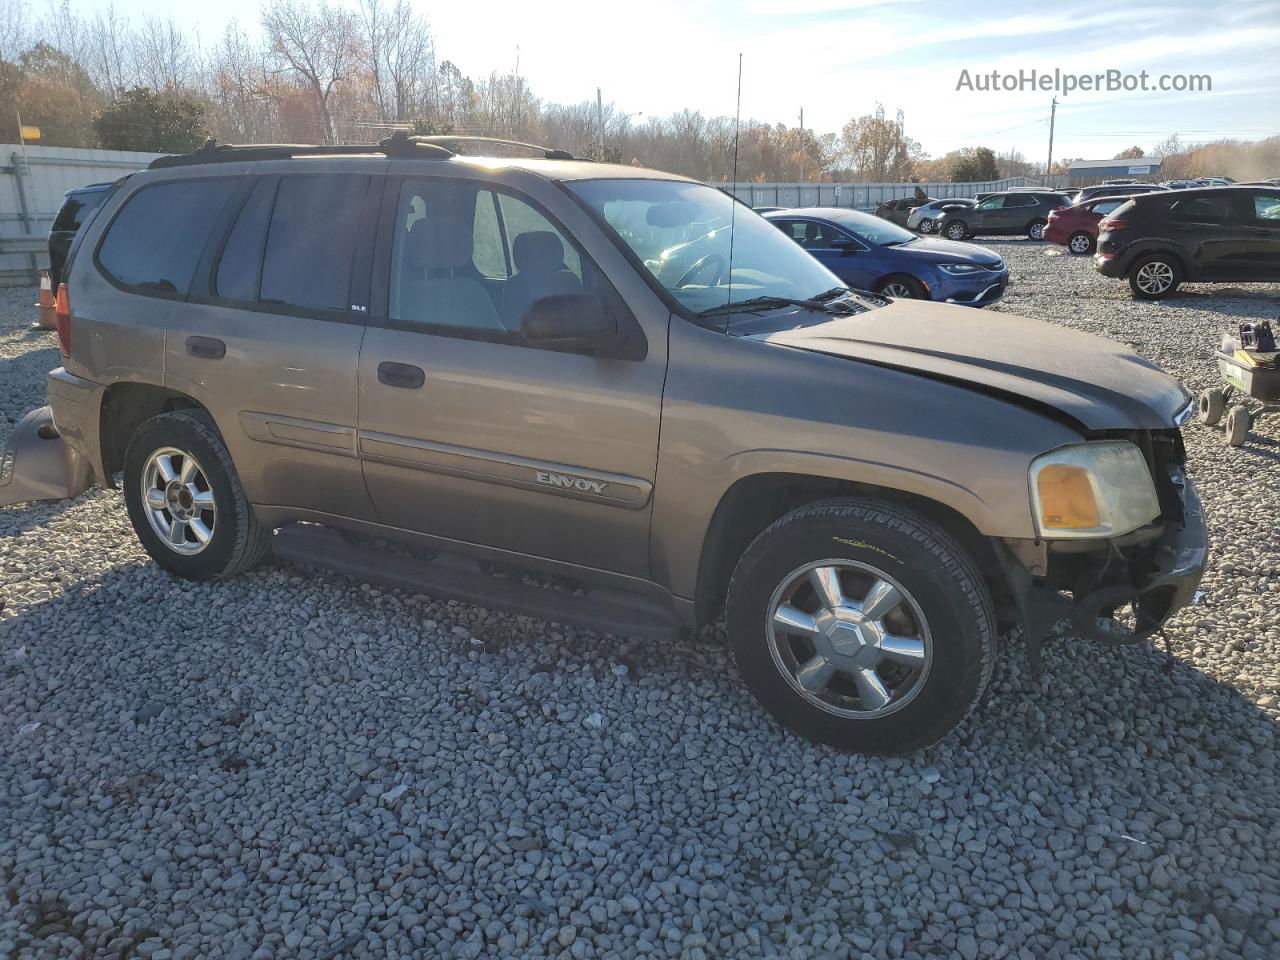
(1154, 277)
(861, 625)
(957, 230)
(1035, 230)
(185, 502)
(902, 286)
(926, 226)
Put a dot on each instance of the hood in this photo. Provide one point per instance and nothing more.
(1097, 383)
(936, 250)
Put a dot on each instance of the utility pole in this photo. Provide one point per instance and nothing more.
(599, 125)
(802, 144)
(1053, 112)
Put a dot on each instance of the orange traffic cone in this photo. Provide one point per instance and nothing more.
(45, 319)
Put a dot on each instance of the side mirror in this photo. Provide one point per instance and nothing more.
(844, 245)
(569, 321)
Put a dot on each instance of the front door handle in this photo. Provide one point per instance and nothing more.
(206, 348)
(404, 375)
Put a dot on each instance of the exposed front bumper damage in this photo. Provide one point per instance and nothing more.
(1142, 583)
(38, 464)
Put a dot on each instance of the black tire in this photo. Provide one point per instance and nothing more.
(1081, 243)
(926, 225)
(930, 567)
(914, 288)
(1035, 229)
(1211, 405)
(237, 541)
(1144, 271)
(956, 230)
(1239, 421)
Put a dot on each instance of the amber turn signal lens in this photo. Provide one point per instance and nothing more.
(1066, 498)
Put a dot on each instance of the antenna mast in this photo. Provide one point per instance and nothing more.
(733, 207)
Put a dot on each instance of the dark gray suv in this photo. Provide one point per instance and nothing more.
(1015, 212)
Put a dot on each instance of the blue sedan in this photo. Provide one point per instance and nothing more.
(869, 253)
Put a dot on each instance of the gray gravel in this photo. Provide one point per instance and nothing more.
(284, 766)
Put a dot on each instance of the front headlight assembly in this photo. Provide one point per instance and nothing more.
(959, 269)
(1092, 490)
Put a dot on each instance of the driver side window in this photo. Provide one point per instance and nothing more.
(991, 203)
(469, 260)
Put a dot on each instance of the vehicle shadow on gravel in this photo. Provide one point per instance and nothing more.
(21, 517)
(1228, 301)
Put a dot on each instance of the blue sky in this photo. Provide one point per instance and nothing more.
(837, 58)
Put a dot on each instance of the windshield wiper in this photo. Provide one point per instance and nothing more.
(757, 304)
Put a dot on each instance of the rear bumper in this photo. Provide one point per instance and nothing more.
(38, 465)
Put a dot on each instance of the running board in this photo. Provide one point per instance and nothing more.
(454, 577)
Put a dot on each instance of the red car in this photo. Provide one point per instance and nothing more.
(1076, 228)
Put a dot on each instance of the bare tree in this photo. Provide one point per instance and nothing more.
(163, 60)
(242, 107)
(409, 60)
(13, 29)
(108, 41)
(317, 47)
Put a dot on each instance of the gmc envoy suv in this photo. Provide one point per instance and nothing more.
(609, 397)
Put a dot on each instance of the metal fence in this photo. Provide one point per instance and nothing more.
(34, 180)
(865, 196)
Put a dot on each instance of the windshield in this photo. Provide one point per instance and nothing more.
(873, 230)
(681, 233)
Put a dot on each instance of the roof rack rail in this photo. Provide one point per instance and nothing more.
(214, 152)
(448, 141)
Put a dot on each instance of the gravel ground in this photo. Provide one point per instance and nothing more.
(289, 766)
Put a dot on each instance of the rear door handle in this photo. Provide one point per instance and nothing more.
(206, 348)
(404, 375)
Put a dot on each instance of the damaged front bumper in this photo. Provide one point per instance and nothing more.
(38, 464)
(1122, 592)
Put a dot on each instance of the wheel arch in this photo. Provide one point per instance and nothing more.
(126, 406)
(754, 502)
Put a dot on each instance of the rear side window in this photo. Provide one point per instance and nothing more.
(1205, 208)
(156, 239)
(240, 265)
(311, 240)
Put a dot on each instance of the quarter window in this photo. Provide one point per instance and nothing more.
(156, 240)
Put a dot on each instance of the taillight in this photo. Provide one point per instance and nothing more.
(1110, 224)
(62, 319)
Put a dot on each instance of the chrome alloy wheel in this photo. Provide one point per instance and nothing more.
(849, 639)
(1036, 231)
(1079, 243)
(1156, 276)
(178, 500)
(926, 226)
(897, 289)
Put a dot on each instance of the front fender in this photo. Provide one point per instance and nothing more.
(37, 463)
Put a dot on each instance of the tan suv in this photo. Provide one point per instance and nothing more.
(625, 384)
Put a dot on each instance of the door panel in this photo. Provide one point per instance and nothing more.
(279, 377)
(1212, 227)
(1264, 235)
(504, 445)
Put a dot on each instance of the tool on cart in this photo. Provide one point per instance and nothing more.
(1250, 367)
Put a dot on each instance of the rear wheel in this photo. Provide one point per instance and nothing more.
(1035, 230)
(926, 226)
(1081, 243)
(185, 502)
(903, 287)
(1154, 276)
(861, 625)
(956, 230)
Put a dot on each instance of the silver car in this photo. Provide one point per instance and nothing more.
(923, 218)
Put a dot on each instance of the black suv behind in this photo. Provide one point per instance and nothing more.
(1210, 235)
(1016, 212)
(76, 206)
